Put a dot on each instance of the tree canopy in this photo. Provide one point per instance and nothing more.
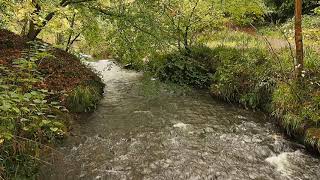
(132, 24)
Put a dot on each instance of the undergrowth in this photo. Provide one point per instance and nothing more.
(28, 119)
(34, 88)
(193, 68)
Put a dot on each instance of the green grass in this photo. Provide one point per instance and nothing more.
(311, 31)
(230, 38)
(85, 98)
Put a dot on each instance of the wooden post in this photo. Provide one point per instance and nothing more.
(299, 63)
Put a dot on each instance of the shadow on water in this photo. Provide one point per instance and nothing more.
(144, 129)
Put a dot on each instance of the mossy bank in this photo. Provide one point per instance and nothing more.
(42, 89)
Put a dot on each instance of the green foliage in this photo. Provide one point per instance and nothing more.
(244, 12)
(185, 68)
(241, 75)
(244, 76)
(284, 9)
(27, 119)
(317, 10)
(311, 30)
(230, 38)
(297, 103)
(84, 98)
(153, 89)
(131, 31)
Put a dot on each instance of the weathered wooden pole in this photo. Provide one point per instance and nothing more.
(299, 63)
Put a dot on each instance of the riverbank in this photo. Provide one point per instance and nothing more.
(43, 89)
(255, 78)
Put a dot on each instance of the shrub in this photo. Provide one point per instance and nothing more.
(244, 76)
(193, 68)
(84, 98)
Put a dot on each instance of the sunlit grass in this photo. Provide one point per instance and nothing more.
(235, 39)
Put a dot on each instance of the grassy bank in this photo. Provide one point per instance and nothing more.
(311, 31)
(38, 88)
(254, 78)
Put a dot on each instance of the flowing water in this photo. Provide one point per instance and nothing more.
(170, 135)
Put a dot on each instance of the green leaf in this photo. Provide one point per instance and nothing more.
(54, 129)
(37, 101)
(45, 122)
(16, 110)
(5, 107)
(25, 109)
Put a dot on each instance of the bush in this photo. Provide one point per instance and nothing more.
(193, 68)
(236, 75)
(244, 76)
(33, 80)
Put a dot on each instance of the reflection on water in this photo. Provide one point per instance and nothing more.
(174, 136)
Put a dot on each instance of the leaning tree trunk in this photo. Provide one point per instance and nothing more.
(34, 28)
(299, 64)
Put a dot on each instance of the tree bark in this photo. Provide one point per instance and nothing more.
(24, 27)
(72, 41)
(59, 38)
(35, 29)
(299, 64)
(71, 32)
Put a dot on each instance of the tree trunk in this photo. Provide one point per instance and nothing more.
(24, 27)
(32, 33)
(185, 40)
(72, 41)
(71, 32)
(34, 29)
(299, 64)
(59, 38)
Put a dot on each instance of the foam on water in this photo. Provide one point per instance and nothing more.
(280, 162)
(180, 125)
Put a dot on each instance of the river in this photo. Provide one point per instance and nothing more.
(137, 134)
